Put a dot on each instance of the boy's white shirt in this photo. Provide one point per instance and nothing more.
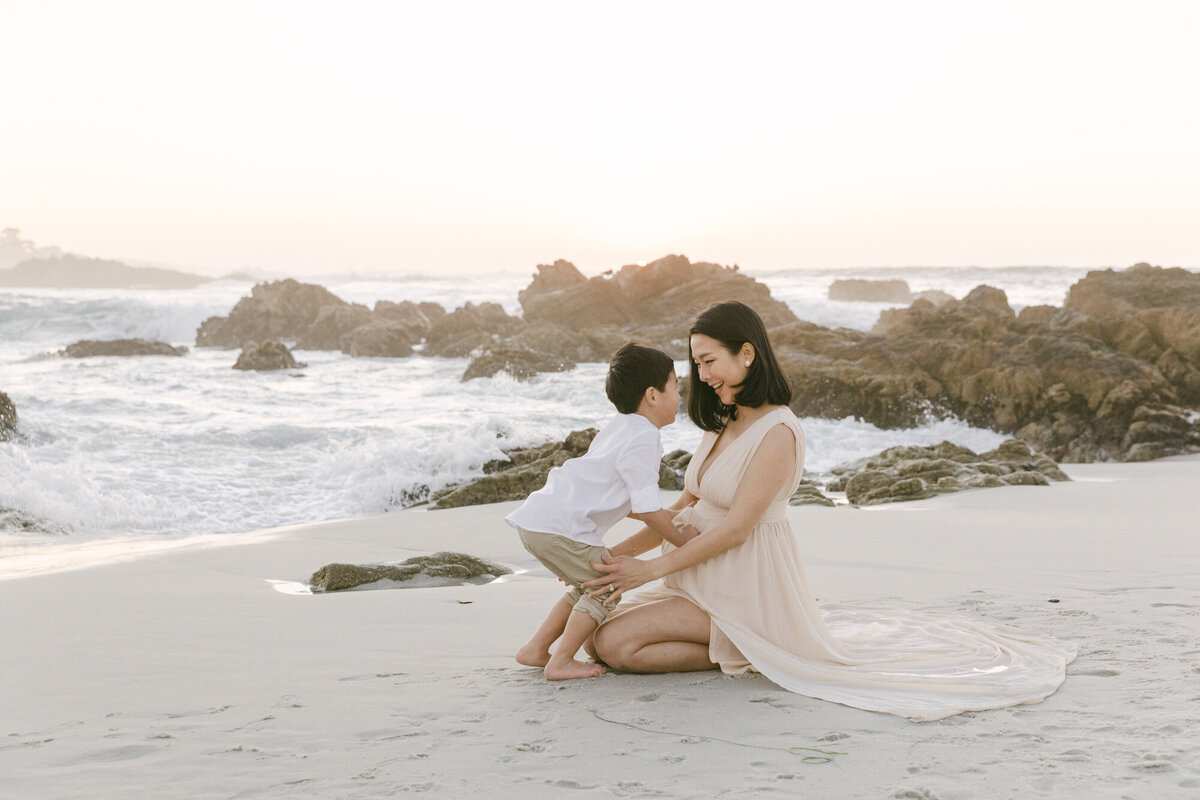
(587, 495)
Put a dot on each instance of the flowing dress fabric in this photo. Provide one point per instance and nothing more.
(764, 617)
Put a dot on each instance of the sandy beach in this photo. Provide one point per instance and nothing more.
(191, 668)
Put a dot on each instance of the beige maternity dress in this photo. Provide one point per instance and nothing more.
(764, 618)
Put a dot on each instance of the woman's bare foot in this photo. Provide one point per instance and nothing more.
(531, 655)
(566, 669)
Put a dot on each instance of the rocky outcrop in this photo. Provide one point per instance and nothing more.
(278, 310)
(524, 472)
(120, 347)
(543, 347)
(316, 319)
(914, 473)
(1048, 377)
(8, 418)
(333, 325)
(809, 493)
(519, 362)
(266, 356)
(449, 567)
(17, 521)
(526, 468)
(859, 290)
(466, 328)
(378, 339)
(413, 319)
(935, 296)
(1150, 313)
(653, 304)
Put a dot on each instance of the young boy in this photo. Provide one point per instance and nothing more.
(564, 522)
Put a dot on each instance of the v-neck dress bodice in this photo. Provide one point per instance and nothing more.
(923, 666)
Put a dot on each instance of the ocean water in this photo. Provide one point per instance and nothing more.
(162, 446)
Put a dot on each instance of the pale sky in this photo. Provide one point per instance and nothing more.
(302, 137)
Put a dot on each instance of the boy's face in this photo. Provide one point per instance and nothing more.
(665, 404)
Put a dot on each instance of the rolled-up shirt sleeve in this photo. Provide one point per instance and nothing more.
(638, 466)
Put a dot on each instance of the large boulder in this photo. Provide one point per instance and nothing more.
(8, 417)
(120, 347)
(1049, 377)
(409, 317)
(278, 310)
(914, 472)
(266, 356)
(543, 347)
(333, 326)
(1150, 313)
(466, 328)
(378, 339)
(653, 304)
(857, 289)
(439, 568)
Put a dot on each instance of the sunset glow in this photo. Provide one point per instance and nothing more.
(372, 136)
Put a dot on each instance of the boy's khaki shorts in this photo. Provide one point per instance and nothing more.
(571, 561)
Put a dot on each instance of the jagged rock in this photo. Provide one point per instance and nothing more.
(333, 325)
(454, 566)
(856, 289)
(1048, 377)
(432, 311)
(653, 304)
(1150, 313)
(267, 356)
(524, 473)
(463, 330)
(809, 494)
(408, 316)
(8, 417)
(935, 296)
(543, 347)
(378, 339)
(120, 347)
(12, 519)
(278, 310)
(520, 362)
(915, 472)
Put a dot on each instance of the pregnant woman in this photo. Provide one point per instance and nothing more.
(736, 597)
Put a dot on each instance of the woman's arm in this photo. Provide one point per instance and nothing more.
(769, 469)
(646, 539)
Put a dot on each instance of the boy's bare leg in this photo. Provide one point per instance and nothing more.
(562, 665)
(536, 652)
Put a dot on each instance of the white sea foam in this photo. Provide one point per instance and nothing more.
(160, 446)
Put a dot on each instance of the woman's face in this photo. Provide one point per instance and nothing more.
(719, 368)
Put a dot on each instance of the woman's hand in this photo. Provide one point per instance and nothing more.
(621, 573)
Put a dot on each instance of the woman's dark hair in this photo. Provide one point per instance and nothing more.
(634, 369)
(733, 324)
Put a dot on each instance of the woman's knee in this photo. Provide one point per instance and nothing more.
(612, 649)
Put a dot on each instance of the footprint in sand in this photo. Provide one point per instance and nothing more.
(920, 793)
(1152, 762)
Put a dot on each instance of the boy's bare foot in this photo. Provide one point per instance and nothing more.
(569, 669)
(533, 656)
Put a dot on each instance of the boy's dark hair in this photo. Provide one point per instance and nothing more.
(633, 369)
(733, 324)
